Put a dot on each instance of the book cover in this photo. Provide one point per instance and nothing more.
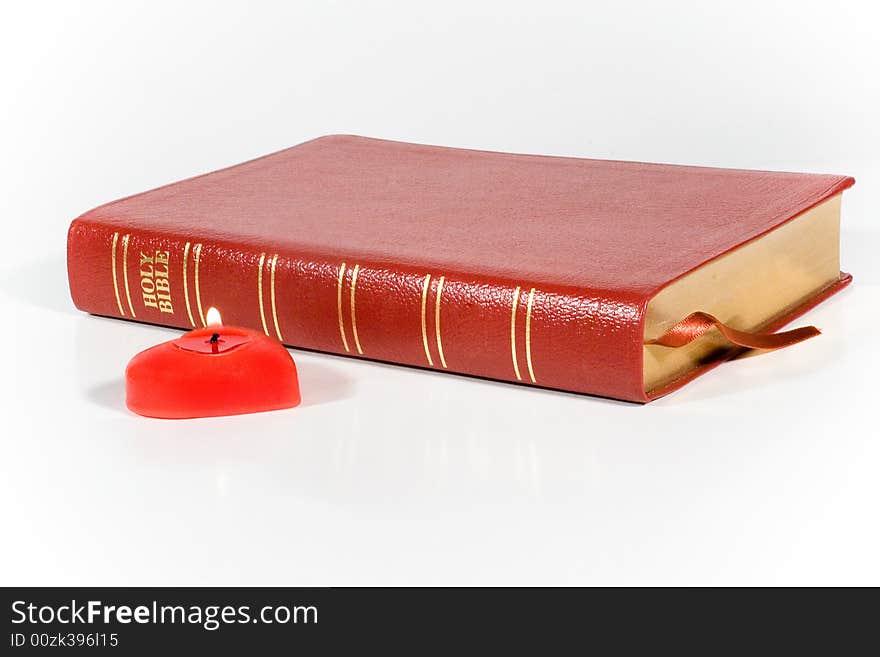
(530, 269)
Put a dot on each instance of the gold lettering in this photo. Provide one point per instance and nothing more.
(155, 283)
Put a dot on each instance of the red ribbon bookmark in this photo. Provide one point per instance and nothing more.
(696, 324)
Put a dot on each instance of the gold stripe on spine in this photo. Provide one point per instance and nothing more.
(189, 311)
(260, 292)
(513, 333)
(125, 239)
(354, 326)
(437, 320)
(197, 255)
(529, 334)
(425, 287)
(113, 265)
(272, 295)
(339, 306)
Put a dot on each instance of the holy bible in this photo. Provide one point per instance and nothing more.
(619, 279)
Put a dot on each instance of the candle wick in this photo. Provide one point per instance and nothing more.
(215, 337)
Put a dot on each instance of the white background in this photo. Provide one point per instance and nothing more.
(766, 471)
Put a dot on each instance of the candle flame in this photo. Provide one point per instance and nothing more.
(212, 318)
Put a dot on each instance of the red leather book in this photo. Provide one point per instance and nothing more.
(545, 271)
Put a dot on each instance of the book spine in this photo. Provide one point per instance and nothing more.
(512, 330)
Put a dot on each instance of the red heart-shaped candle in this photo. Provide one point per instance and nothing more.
(216, 370)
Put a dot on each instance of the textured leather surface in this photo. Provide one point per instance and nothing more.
(546, 263)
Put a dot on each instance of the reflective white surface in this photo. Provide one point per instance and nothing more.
(765, 471)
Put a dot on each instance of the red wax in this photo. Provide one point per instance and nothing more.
(218, 370)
